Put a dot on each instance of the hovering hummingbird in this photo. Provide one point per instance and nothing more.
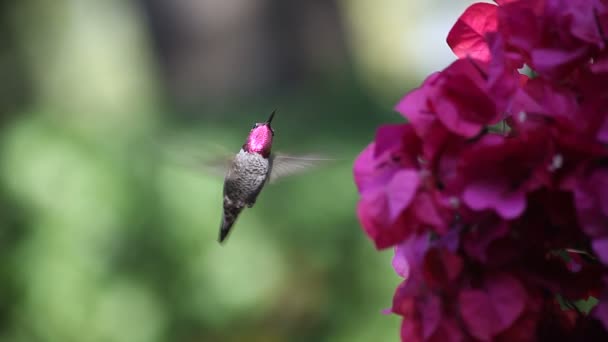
(254, 166)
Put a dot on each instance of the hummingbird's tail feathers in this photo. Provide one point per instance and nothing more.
(228, 219)
(283, 165)
(224, 230)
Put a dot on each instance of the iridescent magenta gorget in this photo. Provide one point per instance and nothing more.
(259, 140)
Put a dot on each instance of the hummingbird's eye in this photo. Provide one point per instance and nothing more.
(254, 126)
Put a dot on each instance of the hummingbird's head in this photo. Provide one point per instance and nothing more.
(260, 138)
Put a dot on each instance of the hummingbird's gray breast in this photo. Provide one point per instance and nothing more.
(244, 181)
(245, 178)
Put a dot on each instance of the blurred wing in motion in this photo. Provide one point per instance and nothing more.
(215, 161)
(287, 165)
(217, 167)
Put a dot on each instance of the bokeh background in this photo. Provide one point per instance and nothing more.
(108, 224)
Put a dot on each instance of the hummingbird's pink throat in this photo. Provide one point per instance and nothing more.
(259, 140)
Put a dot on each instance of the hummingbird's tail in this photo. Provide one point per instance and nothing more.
(228, 219)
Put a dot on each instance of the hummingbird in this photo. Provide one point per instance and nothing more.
(252, 168)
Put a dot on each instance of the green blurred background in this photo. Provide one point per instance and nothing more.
(108, 226)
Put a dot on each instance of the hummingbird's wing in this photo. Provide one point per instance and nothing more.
(219, 166)
(284, 165)
(211, 158)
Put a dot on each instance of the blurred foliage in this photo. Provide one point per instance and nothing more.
(108, 226)
(121, 246)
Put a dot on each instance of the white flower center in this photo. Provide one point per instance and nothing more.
(556, 163)
(454, 202)
(522, 116)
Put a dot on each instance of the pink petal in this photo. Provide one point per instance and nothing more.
(441, 267)
(389, 137)
(430, 308)
(600, 311)
(410, 330)
(557, 62)
(372, 212)
(477, 243)
(508, 297)
(477, 313)
(452, 118)
(601, 185)
(401, 264)
(602, 134)
(467, 36)
(486, 195)
(410, 255)
(448, 331)
(600, 64)
(426, 211)
(600, 247)
(591, 200)
(489, 312)
(364, 167)
(400, 191)
(415, 107)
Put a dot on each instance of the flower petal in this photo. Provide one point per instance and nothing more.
(468, 35)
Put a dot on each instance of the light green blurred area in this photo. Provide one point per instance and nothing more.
(108, 227)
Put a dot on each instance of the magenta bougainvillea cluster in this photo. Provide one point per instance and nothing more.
(494, 194)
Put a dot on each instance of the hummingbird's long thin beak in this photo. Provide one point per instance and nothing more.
(271, 117)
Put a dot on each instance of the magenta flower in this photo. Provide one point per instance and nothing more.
(463, 98)
(386, 191)
(468, 35)
(553, 36)
(591, 201)
(495, 193)
(493, 308)
(498, 172)
(434, 267)
(486, 243)
(601, 311)
(398, 192)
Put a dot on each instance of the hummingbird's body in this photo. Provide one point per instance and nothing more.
(251, 168)
(247, 174)
(242, 185)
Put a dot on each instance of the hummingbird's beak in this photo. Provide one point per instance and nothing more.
(271, 117)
